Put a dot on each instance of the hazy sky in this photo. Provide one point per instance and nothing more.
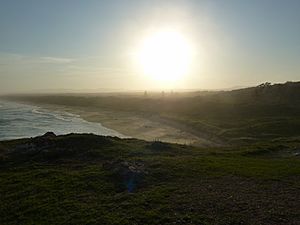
(87, 45)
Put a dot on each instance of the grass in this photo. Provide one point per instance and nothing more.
(86, 179)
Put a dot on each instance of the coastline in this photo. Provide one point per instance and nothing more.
(22, 120)
(132, 125)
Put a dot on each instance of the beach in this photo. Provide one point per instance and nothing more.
(133, 125)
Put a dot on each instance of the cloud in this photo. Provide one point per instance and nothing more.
(55, 60)
(19, 59)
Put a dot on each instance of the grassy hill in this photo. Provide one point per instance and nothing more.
(89, 179)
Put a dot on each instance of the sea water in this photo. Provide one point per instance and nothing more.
(21, 121)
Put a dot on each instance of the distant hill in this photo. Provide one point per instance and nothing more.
(287, 93)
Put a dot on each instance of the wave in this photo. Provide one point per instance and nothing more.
(60, 117)
(20, 120)
(37, 111)
(55, 114)
(65, 115)
(71, 114)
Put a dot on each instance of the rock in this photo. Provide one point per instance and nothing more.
(37, 144)
(49, 135)
(129, 173)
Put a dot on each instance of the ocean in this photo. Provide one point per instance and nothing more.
(22, 121)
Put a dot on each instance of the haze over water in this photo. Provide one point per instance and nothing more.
(20, 121)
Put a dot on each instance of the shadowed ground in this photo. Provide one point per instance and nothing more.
(88, 179)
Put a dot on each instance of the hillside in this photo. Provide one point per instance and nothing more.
(89, 179)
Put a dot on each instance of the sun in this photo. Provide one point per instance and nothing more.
(165, 56)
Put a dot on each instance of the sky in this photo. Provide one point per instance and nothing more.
(87, 45)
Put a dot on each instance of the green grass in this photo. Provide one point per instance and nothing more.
(80, 179)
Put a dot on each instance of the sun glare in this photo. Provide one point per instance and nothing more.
(165, 56)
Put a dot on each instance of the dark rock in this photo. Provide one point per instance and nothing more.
(49, 135)
(37, 145)
(130, 174)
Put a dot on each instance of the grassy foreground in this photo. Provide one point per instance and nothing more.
(89, 179)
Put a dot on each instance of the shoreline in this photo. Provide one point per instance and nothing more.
(132, 125)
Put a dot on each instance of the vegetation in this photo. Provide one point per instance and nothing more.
(89, 179)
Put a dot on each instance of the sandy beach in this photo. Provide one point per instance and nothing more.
(134, 125)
